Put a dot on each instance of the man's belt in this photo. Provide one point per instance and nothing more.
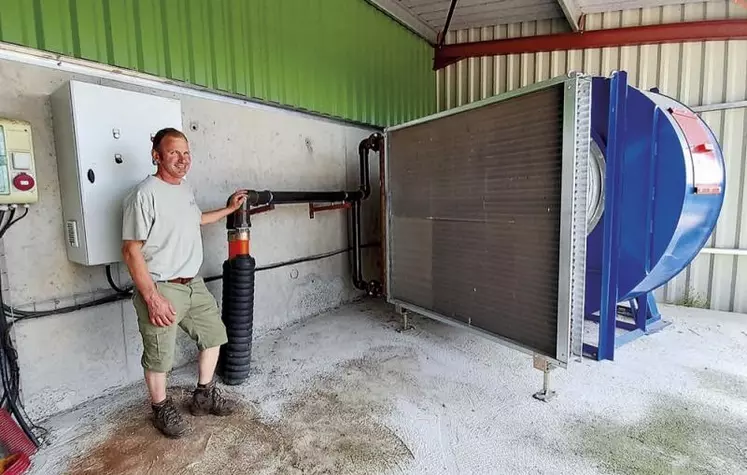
(181, 280)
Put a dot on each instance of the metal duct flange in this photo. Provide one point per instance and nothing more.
(238, 316)
(595, 188)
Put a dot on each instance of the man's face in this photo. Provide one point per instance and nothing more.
(173, 156)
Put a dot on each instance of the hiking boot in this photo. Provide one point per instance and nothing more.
(168, 420)
(209, 400)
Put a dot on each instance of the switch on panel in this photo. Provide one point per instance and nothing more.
(17, 170)
(22, 160)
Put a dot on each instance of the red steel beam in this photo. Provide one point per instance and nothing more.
(638, 35)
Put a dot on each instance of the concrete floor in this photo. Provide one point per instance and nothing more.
(346, 393)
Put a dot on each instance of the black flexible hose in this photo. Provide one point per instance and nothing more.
(234, 362)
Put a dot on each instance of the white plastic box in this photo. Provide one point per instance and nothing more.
(103, 142)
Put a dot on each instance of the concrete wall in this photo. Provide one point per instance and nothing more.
(67, 359)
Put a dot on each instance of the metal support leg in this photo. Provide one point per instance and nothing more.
(546, 394)
(641, 315)
(405, 323)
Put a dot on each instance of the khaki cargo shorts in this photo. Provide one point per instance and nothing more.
(196, 313)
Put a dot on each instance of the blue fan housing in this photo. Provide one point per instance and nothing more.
(673, 182)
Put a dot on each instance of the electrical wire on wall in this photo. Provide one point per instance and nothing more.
(9, 370)
(15, 315)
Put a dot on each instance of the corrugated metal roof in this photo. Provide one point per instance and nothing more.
(695, 73)
(603, 6)
(340, 58)
(480, 13)
(476, 13)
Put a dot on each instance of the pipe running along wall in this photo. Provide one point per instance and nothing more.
(239, 269)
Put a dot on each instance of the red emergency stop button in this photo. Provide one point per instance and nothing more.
(23, 182)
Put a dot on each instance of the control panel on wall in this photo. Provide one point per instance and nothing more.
(103, 141)
(17, 170)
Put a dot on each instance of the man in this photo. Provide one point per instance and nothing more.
(162, 247)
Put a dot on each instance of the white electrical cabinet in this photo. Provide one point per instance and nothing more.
(103, 141)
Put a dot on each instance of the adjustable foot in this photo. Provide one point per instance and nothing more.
(405, 320)
(543, 365)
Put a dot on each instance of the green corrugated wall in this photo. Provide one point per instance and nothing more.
(341, 58)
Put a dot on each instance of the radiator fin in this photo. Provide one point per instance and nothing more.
(474, 216)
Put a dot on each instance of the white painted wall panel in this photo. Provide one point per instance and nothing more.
(701, 73)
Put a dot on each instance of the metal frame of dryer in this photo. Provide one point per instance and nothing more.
(645, 312)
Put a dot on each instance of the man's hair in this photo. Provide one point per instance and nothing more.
(167, 132)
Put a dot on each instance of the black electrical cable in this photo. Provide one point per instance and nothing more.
(12, 221)
(298, 260)
(5, 226)
(19, 315)
(9, 370)
(113, 285)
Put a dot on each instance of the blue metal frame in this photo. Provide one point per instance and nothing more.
(616, 130)
(647, 319)
(644, 309)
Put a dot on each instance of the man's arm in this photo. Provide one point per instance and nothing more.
(160, 310)
(210, 217)
(133, 257)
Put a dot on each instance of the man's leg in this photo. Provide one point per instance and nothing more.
(208, 360)
(156, 383)
(204, 325)
(159, 344)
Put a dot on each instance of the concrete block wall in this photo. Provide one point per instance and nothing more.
(67, 359)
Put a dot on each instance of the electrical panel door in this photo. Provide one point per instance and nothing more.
(103, 141)
(17, 169)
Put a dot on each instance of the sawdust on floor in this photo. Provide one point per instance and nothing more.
(332, 426)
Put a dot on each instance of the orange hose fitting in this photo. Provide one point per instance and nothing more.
(238, 243)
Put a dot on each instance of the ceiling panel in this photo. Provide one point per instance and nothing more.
(477, 13)
(601, 6)
(428, 17)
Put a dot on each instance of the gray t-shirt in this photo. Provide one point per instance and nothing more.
(167, 218)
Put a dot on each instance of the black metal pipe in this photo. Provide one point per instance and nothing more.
(241, 218)
(442, 36)
(358, 281)
(288, 197)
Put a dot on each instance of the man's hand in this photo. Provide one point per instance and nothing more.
(160, 311)
(237, 199)
(234, 202)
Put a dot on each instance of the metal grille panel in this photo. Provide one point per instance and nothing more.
(474, 229)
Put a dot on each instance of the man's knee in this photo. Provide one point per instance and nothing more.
(210, 333)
